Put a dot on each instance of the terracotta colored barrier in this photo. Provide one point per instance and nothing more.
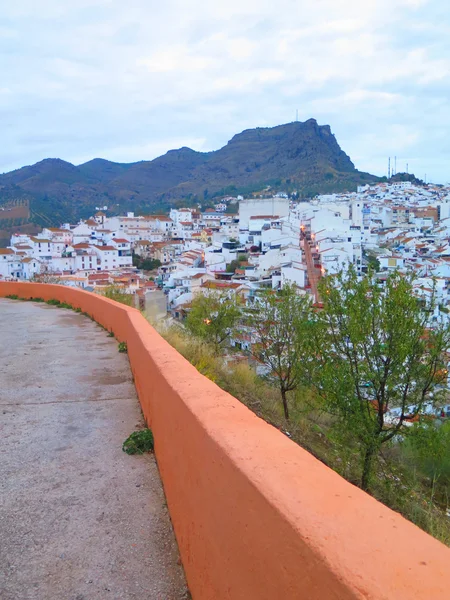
(257, 517)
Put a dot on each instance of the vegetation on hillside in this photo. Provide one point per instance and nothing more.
(372, 351)
(368, 351)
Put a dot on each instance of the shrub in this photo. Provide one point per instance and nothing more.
(139, 442)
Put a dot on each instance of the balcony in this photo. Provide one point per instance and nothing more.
(256, 517)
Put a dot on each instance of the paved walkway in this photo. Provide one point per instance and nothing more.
(79, 519)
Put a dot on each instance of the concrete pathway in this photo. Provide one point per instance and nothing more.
(79, 519)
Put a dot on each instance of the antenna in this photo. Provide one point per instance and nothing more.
(389, 167)
(395, 167)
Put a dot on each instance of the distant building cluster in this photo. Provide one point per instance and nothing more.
(266, 244)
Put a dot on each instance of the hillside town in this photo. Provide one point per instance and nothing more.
(266, 243)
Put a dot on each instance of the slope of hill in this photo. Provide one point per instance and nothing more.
(296, 156)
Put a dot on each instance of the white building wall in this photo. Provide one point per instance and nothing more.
(261, 206)
(294, 273)
(444, 210)
(58, 263)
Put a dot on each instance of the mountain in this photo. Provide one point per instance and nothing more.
(295, 156)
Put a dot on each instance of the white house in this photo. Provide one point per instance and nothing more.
(390, 263)
(261, 206)
(179, 215)
(10, 264)
(123, 247)
(108, 258)
(42, 248)
(82, 233)
(334, 260)
(293, 273)
(30, 267)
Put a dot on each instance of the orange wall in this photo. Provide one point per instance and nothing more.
(257, 517)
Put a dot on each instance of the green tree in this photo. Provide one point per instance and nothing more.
(147, 264)
(150, 264)
(213, 317)
(279, 323)
(375, 351)
(232, 266)
(373, 261)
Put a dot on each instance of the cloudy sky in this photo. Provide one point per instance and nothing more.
(128, 80)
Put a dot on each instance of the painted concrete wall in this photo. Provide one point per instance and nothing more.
(257, 517)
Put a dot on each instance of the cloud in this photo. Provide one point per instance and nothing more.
(177, 59)
(114, 79)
